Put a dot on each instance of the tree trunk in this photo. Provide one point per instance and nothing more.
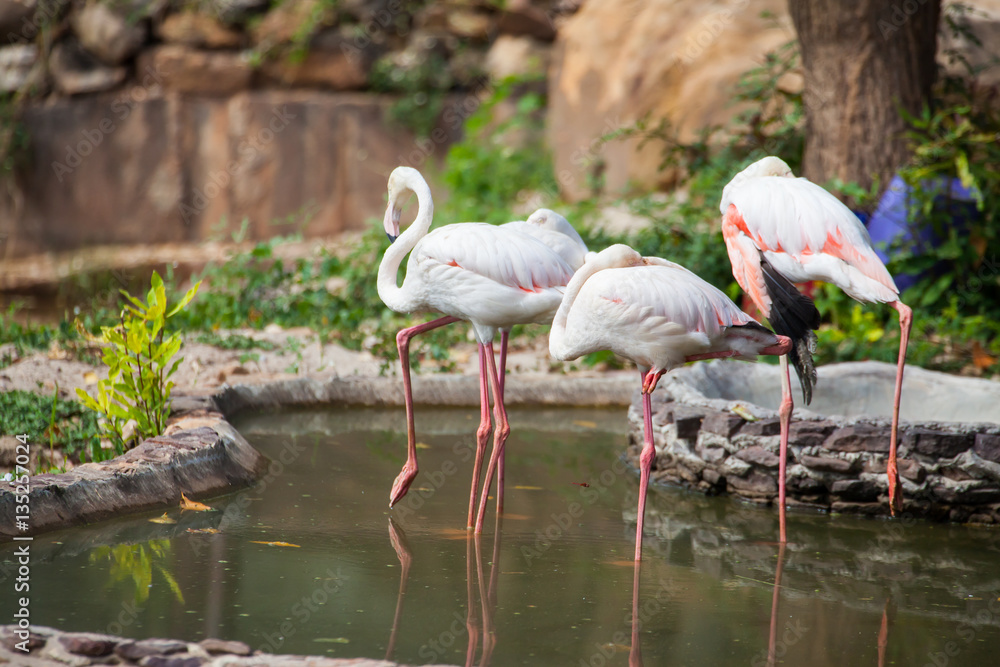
(863, 61)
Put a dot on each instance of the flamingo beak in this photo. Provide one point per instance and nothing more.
(391, 221)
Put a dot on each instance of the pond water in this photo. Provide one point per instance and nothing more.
(550, 585)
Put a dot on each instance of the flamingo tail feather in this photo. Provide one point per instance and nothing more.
(794, 315)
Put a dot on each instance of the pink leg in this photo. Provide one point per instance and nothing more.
(895, 489)
(482, 435)
(471, 620)
(503, 457)
(500, 432)
(409, 471)
(785, 416)
(645, 465)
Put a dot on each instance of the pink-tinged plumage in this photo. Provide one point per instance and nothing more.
(781, 230)
(658, 315)
(493, 278)
(805, 233)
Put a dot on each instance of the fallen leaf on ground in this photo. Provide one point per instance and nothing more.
(276, 544)
(423, 445)
(188, 504)
(980, 357)
(90, 377)
(203, 531)
(741, 411)
(584, 423)
(521, 487)
(162, 519)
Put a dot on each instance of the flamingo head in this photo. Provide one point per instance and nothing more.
(615, 257)
(766, 166)
(402, 180)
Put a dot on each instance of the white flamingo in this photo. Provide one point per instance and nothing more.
(658, 315)
(781, 230)
(487, 275)
(554, 231)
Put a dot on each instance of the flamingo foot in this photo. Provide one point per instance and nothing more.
(402, 484)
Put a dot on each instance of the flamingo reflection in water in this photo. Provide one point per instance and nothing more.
(487, 593)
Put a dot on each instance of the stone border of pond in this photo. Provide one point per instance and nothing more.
(200, 454)
(950, 471)
(48, 647)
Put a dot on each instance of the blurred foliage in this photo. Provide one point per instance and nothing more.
(421, 88)
(65, 424)
(132, 565)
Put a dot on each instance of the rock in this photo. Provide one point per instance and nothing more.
(711, 476)
(138, 649)
(758, 484)
(76, 71)
(172, 661)
(987, 447)
(809, 433)
(517, 56)
(725, 424)
(804, 484)
(332, 62)
(219, 646)
(187, 70)
(764, 427)
(709, 453)
(16, 20)
(937, 443)
(199, 30)
(522, 19)
(911, 470)
(736, 467)
(283, 24)
(858, 438)
(827, 464)
(472, 25)
(687, 420)
(865, 509)
(235, 11)
(616, 61)
(36, 639)
(855, 490)
(17, 62)
(106, 33)
(759, 456)
(88, 643)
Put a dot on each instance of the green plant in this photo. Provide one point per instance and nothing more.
(421, 88)
(140, 361)
(498, 161)
(64, 423)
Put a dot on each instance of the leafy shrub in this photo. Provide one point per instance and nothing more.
(140, 361)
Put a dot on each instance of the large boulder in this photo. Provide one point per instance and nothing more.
(108, 34)
(616, 61)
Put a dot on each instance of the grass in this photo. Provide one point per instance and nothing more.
(58, 423)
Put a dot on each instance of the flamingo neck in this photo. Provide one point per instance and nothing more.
(558, 346)
(401, 298)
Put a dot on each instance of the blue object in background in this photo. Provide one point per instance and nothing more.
(891, 223)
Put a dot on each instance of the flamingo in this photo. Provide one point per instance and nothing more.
(658, 315)
(487, 275)
(556, 232)
(780, 230)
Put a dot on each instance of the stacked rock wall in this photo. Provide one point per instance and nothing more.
(950, 470)
(140, 121)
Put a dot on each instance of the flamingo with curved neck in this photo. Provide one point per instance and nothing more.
(489, 276)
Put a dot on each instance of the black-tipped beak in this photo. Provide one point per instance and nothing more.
(392, 239)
